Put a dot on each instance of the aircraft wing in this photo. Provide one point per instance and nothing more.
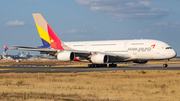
(41, 50)
(78, 53)
(25, 47)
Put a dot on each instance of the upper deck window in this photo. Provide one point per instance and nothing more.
(168, 47)
(103, 44)
(78, 45)
(137, 43)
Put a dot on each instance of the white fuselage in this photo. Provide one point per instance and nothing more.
(137, 49)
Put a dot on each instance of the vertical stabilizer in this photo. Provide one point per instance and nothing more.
(5, 48)
(47, 35)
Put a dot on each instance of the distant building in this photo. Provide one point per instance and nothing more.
(24, 56)
(0, 57)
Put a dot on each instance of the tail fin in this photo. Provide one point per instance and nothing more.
(6, 48)
(47, 35)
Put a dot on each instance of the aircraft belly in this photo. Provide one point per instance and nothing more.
(116, 59)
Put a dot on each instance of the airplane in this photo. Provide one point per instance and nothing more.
(14, 57)
(5, 48)
(99, 53)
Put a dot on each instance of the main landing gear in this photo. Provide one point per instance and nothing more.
(102, 65)
(97, 65)
(112, 65)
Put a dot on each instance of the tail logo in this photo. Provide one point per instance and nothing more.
(52, 40)
(6, 48)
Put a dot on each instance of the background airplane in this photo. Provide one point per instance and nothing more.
(99, 53)
(5, 48)
(23, 56)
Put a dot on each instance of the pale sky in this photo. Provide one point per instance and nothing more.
(81, 20)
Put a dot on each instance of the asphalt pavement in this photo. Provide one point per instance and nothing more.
(37, 69)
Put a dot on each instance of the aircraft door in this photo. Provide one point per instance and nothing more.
(125, 44)
(158, 50)
(86, 46)
(134, 51)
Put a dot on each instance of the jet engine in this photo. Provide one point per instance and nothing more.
(140, 61)
(66, 56)
(99, 59)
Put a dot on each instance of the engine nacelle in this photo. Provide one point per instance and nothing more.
(99, 59)
(140, 61)
(66, 56)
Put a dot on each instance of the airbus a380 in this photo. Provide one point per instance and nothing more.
(99, 53)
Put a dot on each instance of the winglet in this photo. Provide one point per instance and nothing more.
(6, 48)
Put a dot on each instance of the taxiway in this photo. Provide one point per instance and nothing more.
(37, 69)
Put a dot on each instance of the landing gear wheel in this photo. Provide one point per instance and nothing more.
(165, 65)
(112, 65)
(89, 65)
(97, 65)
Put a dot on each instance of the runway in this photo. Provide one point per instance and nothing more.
(85, 69)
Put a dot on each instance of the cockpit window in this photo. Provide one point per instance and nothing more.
(168, 47)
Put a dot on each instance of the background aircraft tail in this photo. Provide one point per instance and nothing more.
(48, 36)
(6, 48)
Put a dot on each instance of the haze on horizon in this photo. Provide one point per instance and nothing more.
(81, 20)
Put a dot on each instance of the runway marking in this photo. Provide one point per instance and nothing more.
(69, 66)
(13, 69)
(52, 69)
(6, 69)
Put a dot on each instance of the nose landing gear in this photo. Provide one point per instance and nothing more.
(165, 64)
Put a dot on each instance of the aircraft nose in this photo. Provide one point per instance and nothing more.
(173, 53)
